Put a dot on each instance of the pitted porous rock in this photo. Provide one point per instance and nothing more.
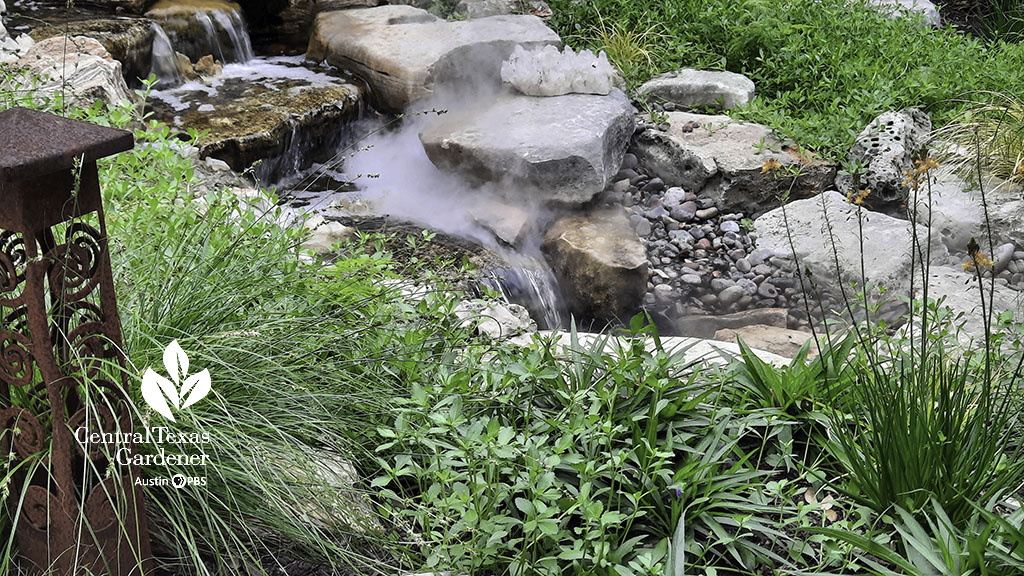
(886, 150)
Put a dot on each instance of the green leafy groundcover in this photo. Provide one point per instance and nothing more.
(823, 68)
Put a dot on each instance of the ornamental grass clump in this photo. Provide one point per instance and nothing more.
(989, 130)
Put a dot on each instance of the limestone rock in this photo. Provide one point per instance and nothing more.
(207, 66)
(957, 213)
(495, 320)
(691, 351)
(81, 68)
(128, 40)
(725, 159)
(600, 263)
(566, 148)
(692, 88)
(485, 8)
(326, 235)
(961, 293)
(11, 49)
(509, 223)
(781, 341)
(164, 9)
(887, 148)
(406, 54)
(287, 127)
(900, 8)
(887, 243)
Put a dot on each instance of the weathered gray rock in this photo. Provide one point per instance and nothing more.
(495, 320)
(887, 243)
(11, 48)
(406, 54)
(485, 8)
(509, 223)
(781, 341)
(707, 326)
(80, 68)
(961, 293)
(128, 40)
(692, 88)
(725, 159)
(1001, 257)
(886, 148)
(567, 148)
(957, 211)
(600, 263)
(901, 8)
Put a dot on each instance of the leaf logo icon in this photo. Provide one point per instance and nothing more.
(181, 390)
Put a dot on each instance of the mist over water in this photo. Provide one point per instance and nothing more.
(393, 174)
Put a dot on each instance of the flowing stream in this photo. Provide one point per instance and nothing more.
(389, 170)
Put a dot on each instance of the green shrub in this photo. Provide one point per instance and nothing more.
(580, 460)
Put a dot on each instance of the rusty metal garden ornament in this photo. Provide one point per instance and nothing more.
(61, 363)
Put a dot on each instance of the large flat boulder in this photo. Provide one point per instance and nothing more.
(279, 113)
(406, 54)
(725, 159)
(815, 223)
(566, 148)
(957, 210)
(600, 263)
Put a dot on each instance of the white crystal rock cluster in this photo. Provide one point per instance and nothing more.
(548, 72)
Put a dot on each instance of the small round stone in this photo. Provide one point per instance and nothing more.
(767, 290)
(749, 286)
(730, 295)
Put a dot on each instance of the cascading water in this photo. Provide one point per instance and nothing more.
(232, 24)
(199, 35)
(164, 66)
(212, 39)
(402, 190)
(529, 282)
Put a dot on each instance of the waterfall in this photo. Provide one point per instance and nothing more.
(204, 20)
(218, 33)
(164, 65)
(233, 24)
(529, 282)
